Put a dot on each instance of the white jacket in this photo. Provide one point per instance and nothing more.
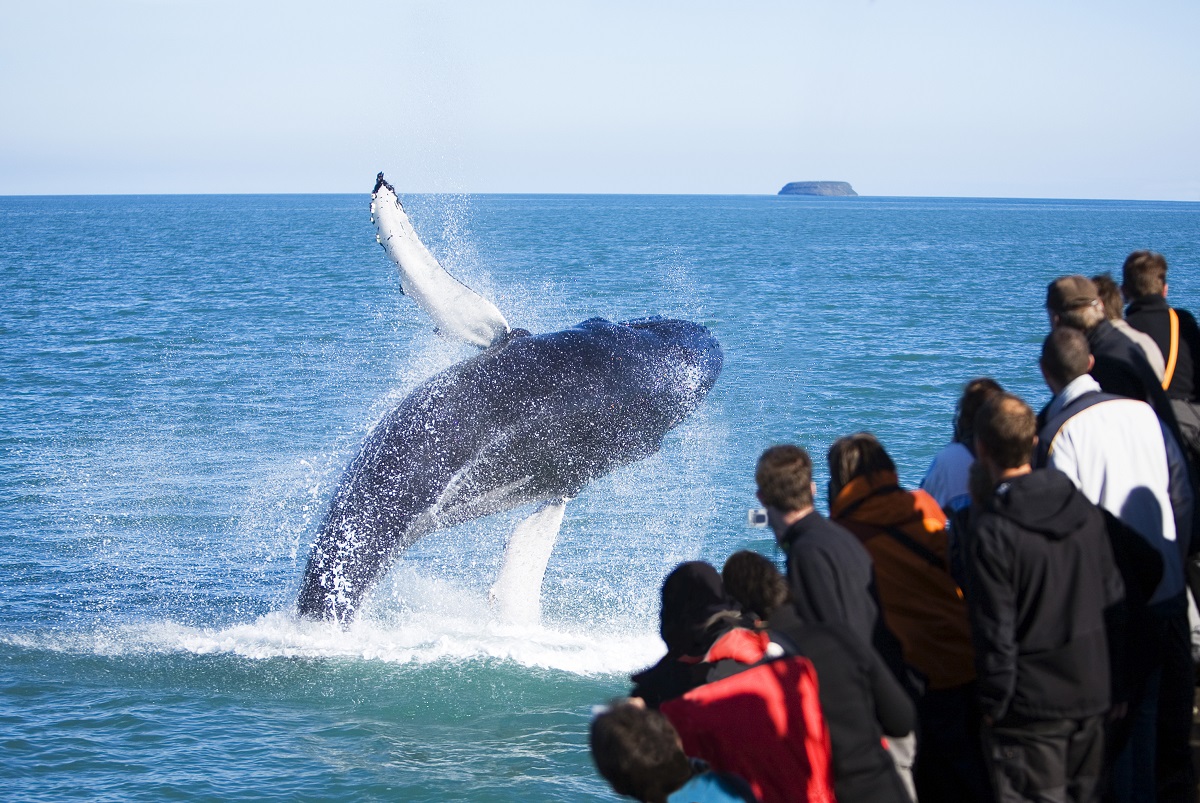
(1121, 457)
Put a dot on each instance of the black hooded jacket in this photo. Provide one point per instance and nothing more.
(695, 612)
(1046, 601)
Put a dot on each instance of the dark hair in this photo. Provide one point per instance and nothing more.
(1110, 296)
(974, 394)
(754, 582)
(1143, 274)
(637, 751)
(855, 456)
(1065, 354)
(695, 608)
(784, 478)
(1007, 427)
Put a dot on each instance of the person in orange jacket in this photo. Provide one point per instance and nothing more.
(905, 534)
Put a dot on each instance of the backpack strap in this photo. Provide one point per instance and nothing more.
(1048, 432)
(926, 554)
(1174, 351)
(917, 548)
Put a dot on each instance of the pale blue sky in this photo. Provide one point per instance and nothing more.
(1054, 98)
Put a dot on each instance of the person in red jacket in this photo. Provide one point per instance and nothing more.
(861, 700)
(738, 700)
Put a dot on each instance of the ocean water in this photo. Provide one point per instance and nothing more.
(183, 379)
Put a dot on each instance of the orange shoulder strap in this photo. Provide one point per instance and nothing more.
(1174, 355)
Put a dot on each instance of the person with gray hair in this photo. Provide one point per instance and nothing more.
(1120, 365)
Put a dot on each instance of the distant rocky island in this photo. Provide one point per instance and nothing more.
(827, 188)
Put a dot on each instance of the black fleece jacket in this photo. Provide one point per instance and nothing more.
(1046, 601)
(832, 580)
(1150, 314)
(831, 576)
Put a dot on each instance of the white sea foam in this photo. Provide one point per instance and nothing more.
(422, 640)
(440, 623)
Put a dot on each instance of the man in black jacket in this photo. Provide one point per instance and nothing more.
(1144, 285)
(1046, 605)
(830, 573)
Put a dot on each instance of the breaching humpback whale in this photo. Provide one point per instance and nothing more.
(528, 421)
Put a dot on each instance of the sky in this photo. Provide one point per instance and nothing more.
(1012, 98)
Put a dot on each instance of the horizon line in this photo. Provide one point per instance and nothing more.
(834, 198)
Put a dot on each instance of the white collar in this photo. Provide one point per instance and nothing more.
(1078, 386)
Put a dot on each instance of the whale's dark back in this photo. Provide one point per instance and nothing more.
(532, 419)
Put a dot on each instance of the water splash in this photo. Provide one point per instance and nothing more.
(468, 636)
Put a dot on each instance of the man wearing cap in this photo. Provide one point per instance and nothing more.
(1120, 365)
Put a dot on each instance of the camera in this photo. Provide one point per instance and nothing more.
(756, 517)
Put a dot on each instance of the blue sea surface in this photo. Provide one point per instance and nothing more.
(183, 379)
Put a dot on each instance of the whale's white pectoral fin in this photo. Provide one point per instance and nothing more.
(516, 596)
(457, 310)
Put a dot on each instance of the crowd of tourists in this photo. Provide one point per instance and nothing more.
(1016, 629)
